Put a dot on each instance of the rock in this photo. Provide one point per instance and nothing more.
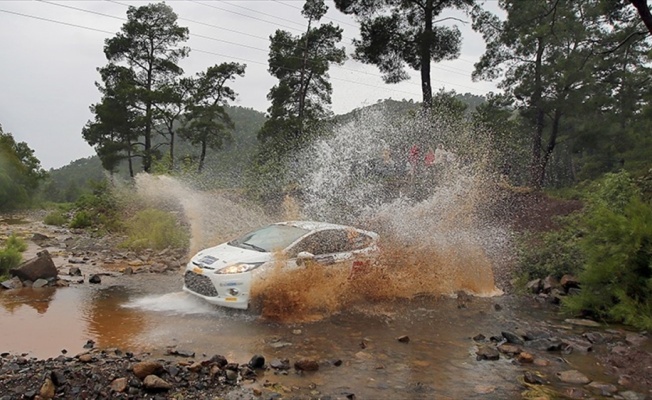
(47, 389)
(74, 271)
(280, 364)
(509, 349)
(533, 378)
(479, 337)
(219, 360)
(86, 358)
(145, 368)
(181, 353)
(536, 334)
(580, 345)
(573, 376)
(90, 343)
(569, 282)
(534, 286)
(403, 339)
(525, 358)
(631, 395)
(582, 322)
(119, 385)
(487, 353)
(635, 339)
(94, 279)
(39, 283)
(603, 389)
(231, 376)
(39, 267)
(513, 338)
(306, 365)
(39, 237)
(280, 345)
(257, 361)
(154, 383)
(549, 283)
(594, 337)
(13, 283)
(128, 271)
(195, 367)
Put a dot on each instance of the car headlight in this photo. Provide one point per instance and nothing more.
(238, 268)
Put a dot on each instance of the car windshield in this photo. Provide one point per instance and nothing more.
(270, 238)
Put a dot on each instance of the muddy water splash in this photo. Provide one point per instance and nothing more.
(437, 239)
(213, 216)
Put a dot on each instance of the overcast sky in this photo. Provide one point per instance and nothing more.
(51, 50)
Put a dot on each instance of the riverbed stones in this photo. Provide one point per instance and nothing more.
(403, 339)
(306, 364)
(603, 389)
(513, 338)
(39, 267)
(13, 283)
(47, 390)
(119, 385)
(257, 361)
(487, 352)
(95, 279)
(144, 368)
(74, 271)
(155, 383)
(39, 283)
(573, 376)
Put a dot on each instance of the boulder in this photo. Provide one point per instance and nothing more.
(39, 267)
(573, 376)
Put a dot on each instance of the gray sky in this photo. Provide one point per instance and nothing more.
(48, 69)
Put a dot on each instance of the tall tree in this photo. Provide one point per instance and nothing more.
(148, 44)
(116, 127)
(399, 33)
(207, 122)
(303, 94)
(544, 51)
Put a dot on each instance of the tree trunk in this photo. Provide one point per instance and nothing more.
(550, 147)
(171, 149)
(537, 136)
(202, 156)
(426, 39)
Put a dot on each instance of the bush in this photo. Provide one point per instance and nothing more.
(554, 253)
(55, 218)
(617, 280)
(16, 243)
(155, 229)
(82, 219)
(10, 256)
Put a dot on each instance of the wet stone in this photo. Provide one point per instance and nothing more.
(479, 337)
(153, 383)
(280, 364)
(74, 271)
(603, 389)
(533, 378)
(306, 365)
(487, 353)
(95, 279)
(39, 283)
(512, 337)
(403, 339)
(145, 368)
(257, 361)
(573, 376)
(119, 385)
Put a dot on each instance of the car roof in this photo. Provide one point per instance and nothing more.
(316, 226)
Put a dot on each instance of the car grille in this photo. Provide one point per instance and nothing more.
(200, 284)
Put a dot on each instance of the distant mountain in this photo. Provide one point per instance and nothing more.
(223, 168)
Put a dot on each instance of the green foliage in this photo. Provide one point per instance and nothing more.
(20, 173)
(617, 280)
(155, 229)
(56, 218)
(554, 253)
(98, 209)
(10, 256)
(14, 242)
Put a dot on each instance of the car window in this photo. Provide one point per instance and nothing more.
(323, 242)
(269, 238)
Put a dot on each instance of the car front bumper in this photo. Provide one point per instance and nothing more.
(226, 290)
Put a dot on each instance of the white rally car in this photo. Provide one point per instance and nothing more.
(223, 274)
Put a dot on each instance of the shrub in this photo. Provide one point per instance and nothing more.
(155, 229)
(55, 218)
(16, 243)
(82, 219)
(553, 253)
(617, 279)
(10, 258)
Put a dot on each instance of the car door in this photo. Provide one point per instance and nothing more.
(328, 246)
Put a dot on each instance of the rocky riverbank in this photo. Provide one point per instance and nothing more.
(551, 357)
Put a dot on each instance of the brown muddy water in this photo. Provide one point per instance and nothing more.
(148, 313)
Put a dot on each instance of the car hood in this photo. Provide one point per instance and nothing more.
(224, 255)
